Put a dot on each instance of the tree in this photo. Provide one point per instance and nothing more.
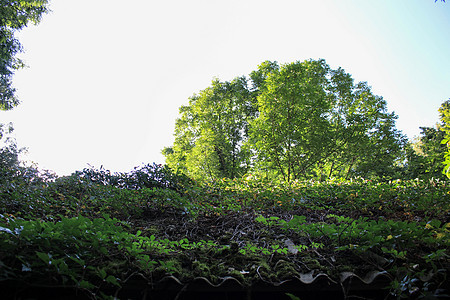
(14, 15)
(212, 129)
(294, 121)
(9, 158)
(366, 141)
(315, 122)
(444, 112)
(425, 156)
(291, 129)
(382, 156)
(9, 152)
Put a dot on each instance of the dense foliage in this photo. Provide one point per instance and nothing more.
(211, 132)
(14, 15)
(95, 235)
(271, 156)
(444, 112)
(294, 121)
(425, 155)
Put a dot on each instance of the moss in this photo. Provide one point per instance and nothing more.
(284, 269)
(222, 252)
(171, 266)
(201, 269)
(345, 268)
(312, 263)
(264, 264)
(151, 230)
(238, 275)
(337, 271)
(263, 270)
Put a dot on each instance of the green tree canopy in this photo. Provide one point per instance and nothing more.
(425, 155)
(290, 121)
(314, 121)
(14, 15)
(292, 126)
(444, 113)
(210, 134)
(9, 152)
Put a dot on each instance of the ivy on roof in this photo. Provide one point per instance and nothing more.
(96, 238)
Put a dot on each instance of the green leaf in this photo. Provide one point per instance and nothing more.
(86, 284)
(45, 257)
(435, 223)
(101, 273)
(113, 280)
(293, 297)
(78, 260)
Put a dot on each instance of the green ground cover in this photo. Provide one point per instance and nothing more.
(95, 236)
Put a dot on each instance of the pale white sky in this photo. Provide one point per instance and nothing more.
(106, 77)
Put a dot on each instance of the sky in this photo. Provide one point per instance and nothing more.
(105, 78)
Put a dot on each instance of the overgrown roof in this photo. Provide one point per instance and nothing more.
(241, 238)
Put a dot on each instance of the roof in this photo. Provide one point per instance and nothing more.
(228, 242)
